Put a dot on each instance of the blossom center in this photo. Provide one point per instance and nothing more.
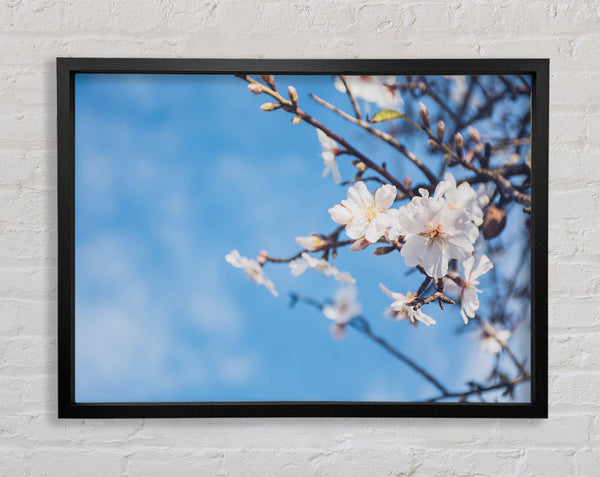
(435, 235)
(370, 211)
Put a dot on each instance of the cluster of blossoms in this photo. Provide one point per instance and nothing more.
(432, 231)
(401, 308)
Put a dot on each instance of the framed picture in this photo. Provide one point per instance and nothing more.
(302, 238)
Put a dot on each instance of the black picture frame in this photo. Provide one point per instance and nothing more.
(68, 408)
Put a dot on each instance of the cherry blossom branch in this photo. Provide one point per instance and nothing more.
(505, 186)
(352, 98)
(361, 325)
(365, 329)
(325, 248)
(425, 88)
(491, 332)
(364, 179)
(437, 295)
(388, 138)
(291, 107)
(331, 242)
(478, 389)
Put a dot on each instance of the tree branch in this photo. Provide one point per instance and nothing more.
(391, 140)
(291, 108)
(361, 325)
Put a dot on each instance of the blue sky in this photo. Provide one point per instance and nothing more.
(173, 172)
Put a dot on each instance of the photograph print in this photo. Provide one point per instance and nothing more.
(321, 238)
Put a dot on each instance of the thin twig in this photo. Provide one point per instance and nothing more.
(291, 108)
(391, 140)
(362, 325)
(480, 389)
(365, 329)
(505, 186)
(352, 98)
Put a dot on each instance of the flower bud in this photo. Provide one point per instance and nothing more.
(407, 182)
(269, 81)
(255, 88)
(359, 245)
(296, 120)
(440, 130)
(474, 134)
(312, 243)
(458, 144)
(384, 250)
(262, 257)
(293, 94)
(459, 141)
(361, 166)
(494, 221)
(424, 114)
(432, 143)
(270, 106)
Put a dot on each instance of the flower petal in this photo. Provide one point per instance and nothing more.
(340, 214)
(385, 196)
(483, 264)
(357, 228)
(375, 230)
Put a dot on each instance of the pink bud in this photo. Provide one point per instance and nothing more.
(255, 88)
(270, 106)
(359, 245)
(424, 114)
(262, 257)
(293, 94)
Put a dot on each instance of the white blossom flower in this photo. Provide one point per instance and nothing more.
(300, 265)
(343, 310)
(459, 88)
(433, 233)
(363, 214)
(373, 89)
(462, 197)
(311, 243)
(473, 268)
(252, 269)
(491, 339)
(402, 310)
(328, 153)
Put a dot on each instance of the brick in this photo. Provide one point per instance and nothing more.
(547, 462)
(572, 390)
(65, 462)
(575, 351)
(587, 461)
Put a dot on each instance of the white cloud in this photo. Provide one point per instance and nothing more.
(129, 340)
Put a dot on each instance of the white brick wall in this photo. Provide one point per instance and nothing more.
(33, 33)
